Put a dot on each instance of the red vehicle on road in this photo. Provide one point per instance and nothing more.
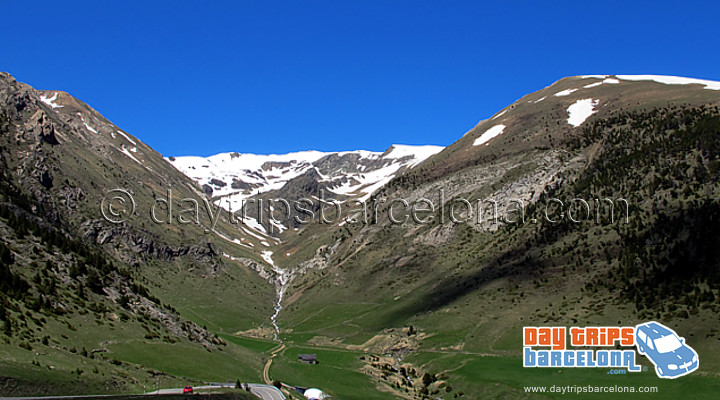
(188, 390)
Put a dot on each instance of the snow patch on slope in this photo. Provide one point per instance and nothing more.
(127, 138)
(611, 81)
(565, 92)
(371, 182)
(125, 151)
(50, 100)
(592, 85)
(666, 79)
(672, 80)
(489, 134)
(499, 115)
(580, 111)
(419, 153)
(234, 241)
(88, 127)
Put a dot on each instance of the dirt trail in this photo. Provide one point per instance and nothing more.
(268, 364)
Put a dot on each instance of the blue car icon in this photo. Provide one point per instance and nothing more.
(668, 352)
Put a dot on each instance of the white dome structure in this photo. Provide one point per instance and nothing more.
(314, 394)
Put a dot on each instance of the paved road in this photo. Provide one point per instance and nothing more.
(196, 388)
(266, 392)
(58, 397)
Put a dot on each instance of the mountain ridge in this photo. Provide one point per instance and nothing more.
(237, 176)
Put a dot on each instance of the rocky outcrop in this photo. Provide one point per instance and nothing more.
(437, 236)
(139, 305)
(70, 196)
(238, 184)
(276, 164)
(134, 248)
(258, 268)
(218, 183)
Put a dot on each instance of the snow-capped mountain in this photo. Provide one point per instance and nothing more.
(236, 176)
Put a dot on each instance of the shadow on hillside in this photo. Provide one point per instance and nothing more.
(514, 263)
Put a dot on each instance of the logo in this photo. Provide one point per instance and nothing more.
(661, 345)
(668, 352)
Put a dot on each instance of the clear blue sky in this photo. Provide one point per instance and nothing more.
(273, 77)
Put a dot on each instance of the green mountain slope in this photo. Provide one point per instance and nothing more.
(467, 287)
(116, 306)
